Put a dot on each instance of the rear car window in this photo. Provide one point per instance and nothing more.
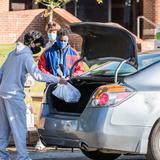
(109, 68)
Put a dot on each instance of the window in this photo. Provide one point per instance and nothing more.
(16, 5)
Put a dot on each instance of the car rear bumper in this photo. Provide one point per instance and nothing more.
(57, 141)
(94, 129)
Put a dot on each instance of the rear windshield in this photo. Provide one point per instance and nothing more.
(109, 68)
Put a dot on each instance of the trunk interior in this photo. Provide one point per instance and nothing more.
(57, 106)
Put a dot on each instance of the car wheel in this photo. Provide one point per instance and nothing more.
(98, 155)
(154, 144)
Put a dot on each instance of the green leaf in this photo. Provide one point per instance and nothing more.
(99, 1)
(52, 3)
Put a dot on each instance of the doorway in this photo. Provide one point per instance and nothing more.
(89, 10)
(125, 12)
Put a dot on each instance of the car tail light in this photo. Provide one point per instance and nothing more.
(103, 99)
(110, 95)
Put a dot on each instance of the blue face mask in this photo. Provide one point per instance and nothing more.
(52, 36)
(61, 44)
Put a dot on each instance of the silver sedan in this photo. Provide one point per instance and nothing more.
(119, 109)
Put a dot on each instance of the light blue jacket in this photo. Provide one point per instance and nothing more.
(14, 70)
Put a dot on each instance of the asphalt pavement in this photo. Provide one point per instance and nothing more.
(64, 154)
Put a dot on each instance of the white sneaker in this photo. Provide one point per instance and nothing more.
(40, 146)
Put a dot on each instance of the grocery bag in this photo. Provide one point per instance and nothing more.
(67, 92)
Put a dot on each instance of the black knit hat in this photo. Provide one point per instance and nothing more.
(35, 37)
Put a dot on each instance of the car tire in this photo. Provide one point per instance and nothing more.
(154, 143)
(98, 155)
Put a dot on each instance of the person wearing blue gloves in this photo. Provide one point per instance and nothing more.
(12, 106)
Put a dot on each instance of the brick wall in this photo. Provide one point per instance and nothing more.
(151, 10)
(4, 5)
(157, 11)
(15, 24)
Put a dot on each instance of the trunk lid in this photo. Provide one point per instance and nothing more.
(102, 41)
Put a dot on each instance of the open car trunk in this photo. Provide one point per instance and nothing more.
(86, 89)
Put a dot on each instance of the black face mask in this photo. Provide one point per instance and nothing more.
(36, 49)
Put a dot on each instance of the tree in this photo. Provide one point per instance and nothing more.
(51, 4)
(57, 3)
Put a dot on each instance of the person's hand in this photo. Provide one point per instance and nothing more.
(62, 81)
(67, 78)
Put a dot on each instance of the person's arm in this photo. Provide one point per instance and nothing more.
(33, 69)
(79, 68)
(42, 64)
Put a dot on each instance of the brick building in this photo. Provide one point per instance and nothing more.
(19, 16)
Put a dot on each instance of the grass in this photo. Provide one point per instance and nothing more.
(5, 49)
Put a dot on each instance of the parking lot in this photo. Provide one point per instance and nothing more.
(64, 154)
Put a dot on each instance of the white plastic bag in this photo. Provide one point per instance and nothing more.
(67, 92)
